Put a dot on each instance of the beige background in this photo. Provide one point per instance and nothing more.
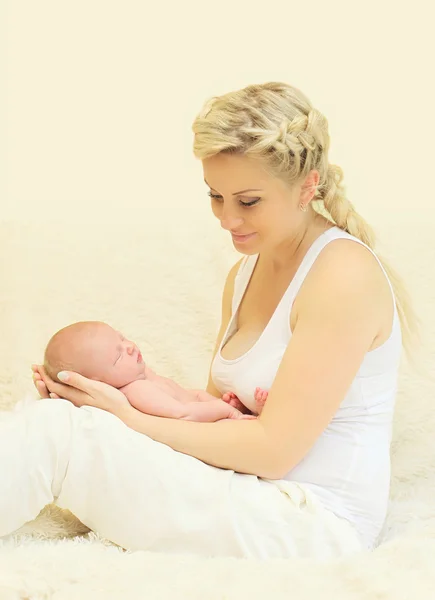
(101, 96)
(100, 100)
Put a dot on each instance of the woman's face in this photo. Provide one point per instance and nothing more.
(259, 211)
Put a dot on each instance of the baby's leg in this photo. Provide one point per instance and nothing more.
(214, 410)
(203, 396)
(260, 398)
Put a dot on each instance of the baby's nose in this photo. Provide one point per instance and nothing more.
(130, 348)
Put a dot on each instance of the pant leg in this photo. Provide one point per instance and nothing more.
(130, 489)
(143, 495)
(35, 445)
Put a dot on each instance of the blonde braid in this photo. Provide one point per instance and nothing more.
(341, 209)
(344, 215)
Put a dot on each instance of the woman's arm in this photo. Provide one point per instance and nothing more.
(341, 310)
(336, 324)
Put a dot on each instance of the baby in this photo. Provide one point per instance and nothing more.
(97, 351)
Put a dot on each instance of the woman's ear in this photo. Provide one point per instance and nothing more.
(309, 187)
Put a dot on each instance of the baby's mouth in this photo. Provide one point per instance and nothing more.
(139, 358)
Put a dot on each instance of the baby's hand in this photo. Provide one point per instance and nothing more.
(260, 398)
(231, 399)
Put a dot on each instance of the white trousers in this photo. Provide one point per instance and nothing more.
(143, 495)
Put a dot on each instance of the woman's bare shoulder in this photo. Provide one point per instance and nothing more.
(350, 271)
(346, 258)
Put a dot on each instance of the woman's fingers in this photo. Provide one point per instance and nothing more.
(61, 390)
(77, 381)
(83, 391)
(41, 388)
(77, 397)
(79, 390)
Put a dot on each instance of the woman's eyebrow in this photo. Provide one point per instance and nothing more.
(250, 190)
(241, 192)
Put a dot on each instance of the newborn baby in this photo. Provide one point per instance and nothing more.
(97, 351)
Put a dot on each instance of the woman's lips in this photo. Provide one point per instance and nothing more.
(242, 238)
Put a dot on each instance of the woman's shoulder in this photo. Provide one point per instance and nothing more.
(348, 273)
(347, 259)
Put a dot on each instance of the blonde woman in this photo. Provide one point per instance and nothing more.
(310, 314)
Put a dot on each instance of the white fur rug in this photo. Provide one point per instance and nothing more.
(166, 293)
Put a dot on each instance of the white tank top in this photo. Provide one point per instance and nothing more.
(348, 468)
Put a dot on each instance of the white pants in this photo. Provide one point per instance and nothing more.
(143, 495)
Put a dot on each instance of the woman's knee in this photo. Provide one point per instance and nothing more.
(51, 413)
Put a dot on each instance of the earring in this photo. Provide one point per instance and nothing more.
(303, 207)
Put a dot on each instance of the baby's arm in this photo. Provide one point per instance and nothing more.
(213, 410)
(181, 394)
(151, 399)
(202, 396)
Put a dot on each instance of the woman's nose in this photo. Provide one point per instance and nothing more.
(230, 222)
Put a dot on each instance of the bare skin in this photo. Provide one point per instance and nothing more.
(260, 400)
(101, 353)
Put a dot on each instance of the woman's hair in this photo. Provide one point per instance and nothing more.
(277, 124)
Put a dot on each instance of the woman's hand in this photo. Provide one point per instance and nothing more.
(39, 384)
(80, 391)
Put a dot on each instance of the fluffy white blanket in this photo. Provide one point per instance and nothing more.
(165, 292)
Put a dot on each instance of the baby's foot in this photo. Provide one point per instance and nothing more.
(228, 396)
(260, 396)
(231, 399)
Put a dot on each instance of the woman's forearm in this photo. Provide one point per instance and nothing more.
(238, 445)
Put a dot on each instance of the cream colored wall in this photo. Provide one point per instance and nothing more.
(101, 96)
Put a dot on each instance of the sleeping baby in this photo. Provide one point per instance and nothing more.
(99, 352)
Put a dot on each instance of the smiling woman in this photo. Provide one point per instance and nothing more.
(310, 314)
(257, 215)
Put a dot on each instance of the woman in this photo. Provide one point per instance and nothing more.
(309, 314)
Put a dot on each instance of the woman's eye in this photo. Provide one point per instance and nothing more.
(251, 203)
(219, 198)
(214, 196)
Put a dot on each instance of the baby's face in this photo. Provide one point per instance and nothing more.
(114, 359)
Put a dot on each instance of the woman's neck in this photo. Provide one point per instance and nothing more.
(294, 249)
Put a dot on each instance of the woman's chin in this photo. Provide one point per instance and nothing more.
(245, 247)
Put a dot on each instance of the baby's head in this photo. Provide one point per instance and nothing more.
(95, 350)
